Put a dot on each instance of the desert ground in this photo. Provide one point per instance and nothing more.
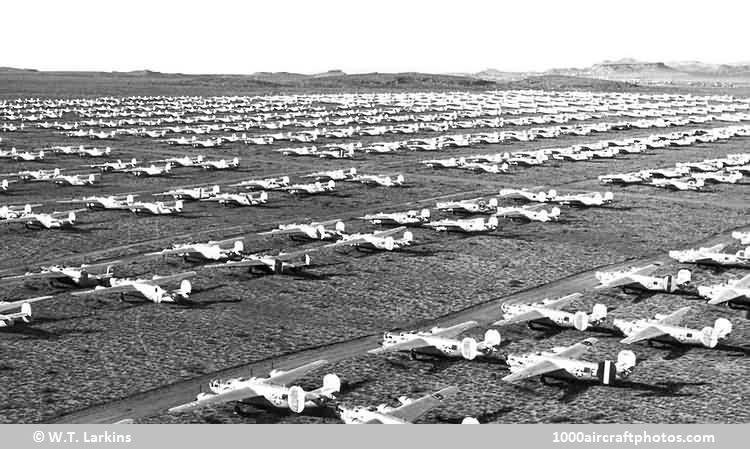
(100, 358)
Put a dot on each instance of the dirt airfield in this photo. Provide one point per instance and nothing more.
(82, 352)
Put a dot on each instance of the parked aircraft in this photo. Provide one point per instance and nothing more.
(24, 315)
(116, 166)
(310, 231)
(442, 342)
(54, 220)
(590, 199)
(221, 164)
(104, 202)
(639, 278)
(80, 277)
(310, 189)
(212, 251)
(408, 218)
(408, 411)
(184, 161)
(156, 208)
(77, 180)
(734, 292)
(564, 363)
(14, 212)
(377, 241)
(282, 263)
(469, 225)
(194, 194)
(151, 289)
(713, 256)
(529, 213)
(667, 328)
(264, 184)
(677, 184)
(548, 312)
(240, 199)
(10, 319)
(271, 392)
(150, 171)
(379, 180)
(474, 206)
(333, 175)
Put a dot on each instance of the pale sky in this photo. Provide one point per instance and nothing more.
(438, 36)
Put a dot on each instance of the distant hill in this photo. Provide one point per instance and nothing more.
(622, 68)
(396, 80)
(629, 69)
(560, 82)
(15, 70)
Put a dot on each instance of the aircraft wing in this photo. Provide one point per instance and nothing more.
(403, 346)
(105, 290)
(250, 262)
(644, 334)
(388, 232)
(277, 231)
(714, 249)
(743, 283)
(221, 398)
(173, 277)
(345, 242)
(537, 369)
(325, 223)
(628, 279)
(450, 332)
(577, 350)
(15, 304)
(414, 409)
(40, 275)
(562, 302)
(170, 251)
(357, 241)
(675, 317)
(531, 315)
(285, 377)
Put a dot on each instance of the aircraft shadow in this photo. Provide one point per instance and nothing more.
(487, 417)
(264, 415)
(572, 389)
(30, 330)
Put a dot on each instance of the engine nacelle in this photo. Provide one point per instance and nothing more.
(683, 277)
(581, 320)
(340, 227)
(238, 246)
(469, 420)
(493, 222)
(492, 202)
(722, 328)
(598, 314)
(408, 237)
(469, 348)
(626, 361)
(296, 399)
(185, 288)
(331, 383)
(491, 338)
